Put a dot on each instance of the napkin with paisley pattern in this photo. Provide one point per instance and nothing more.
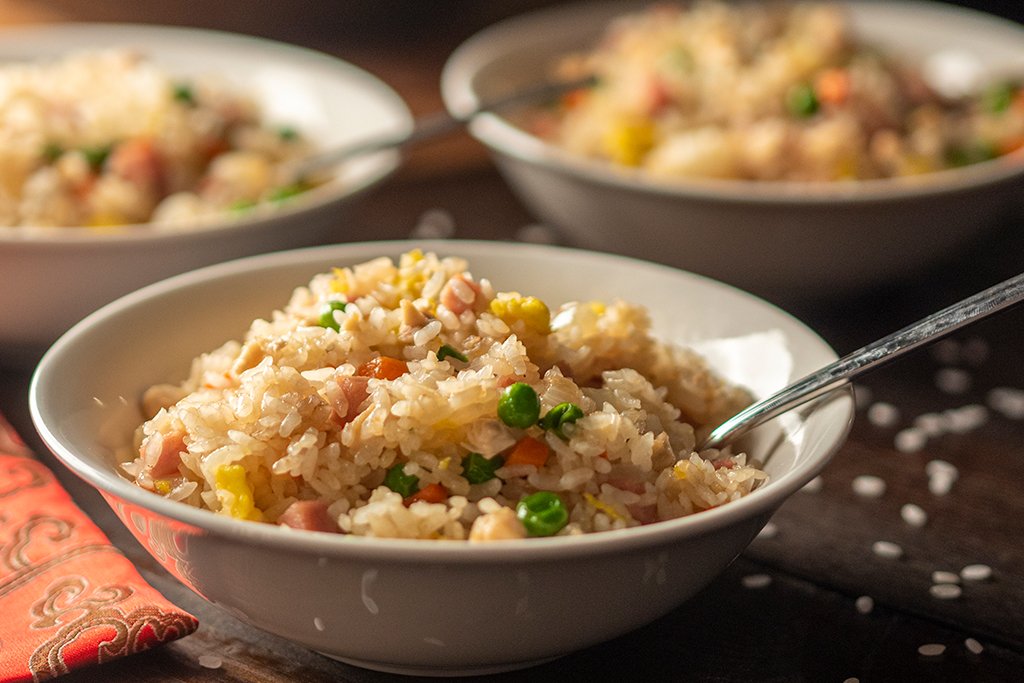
(68, 597)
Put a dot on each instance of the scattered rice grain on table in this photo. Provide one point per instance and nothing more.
(953, 380)
(910, 440)
(932, 424)
(966, 418)
(883, 414)
(940, 576)
(755, 581)
(946, 591)
(887, 549)
(973, 646)
(914, 515)
(976, 572)
(931, 650)
(210, 661)
(865, 604)
(868, 486)
(1006, 401)
(413, 400)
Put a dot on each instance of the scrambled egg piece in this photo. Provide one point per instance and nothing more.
(512, 306)
(235, 494)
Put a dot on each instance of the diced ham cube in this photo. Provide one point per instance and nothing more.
(460, 294)
(161, 453)
(645, 514)
(310, 515)
(354, 390)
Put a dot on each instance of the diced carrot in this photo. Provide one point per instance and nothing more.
(138, 161)
(658, 96)
(574, 98)
(528, 451)
(1018, 100)
(832, 86)
(383, 367)
(431, 493)
(1011, 145)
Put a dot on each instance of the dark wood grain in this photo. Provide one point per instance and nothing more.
(803, 626)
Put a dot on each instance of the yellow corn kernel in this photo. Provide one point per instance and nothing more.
(603, 507)
(445, 463)
(234, 493)
(410, 258)
(679, 470)
(339, 285)
(917, 164)
(627, 142)
(162, 486)
(846, 168)
(105, 220)
(512, 306)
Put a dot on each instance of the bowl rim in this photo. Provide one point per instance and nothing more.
(761, 501)
(333, 191)
(503, 137)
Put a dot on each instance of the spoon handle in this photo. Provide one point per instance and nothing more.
(438, 124)
(834, 375)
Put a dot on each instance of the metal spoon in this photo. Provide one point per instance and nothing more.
(435, 125)
(838, 373)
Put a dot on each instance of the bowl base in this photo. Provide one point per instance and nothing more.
(441, 671)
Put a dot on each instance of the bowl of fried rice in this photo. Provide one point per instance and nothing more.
(131, 153)
(439, 442)
(798, 150)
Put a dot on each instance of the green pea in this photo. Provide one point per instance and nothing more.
(801, 101)
(446, 351)
(52, 151)
(970, 154)
(184, 93)
(287, 133)
(401, 483)
(285, 192)
(559, 416)
(998, 98)
(97, 156)
(327, 315)
(542, 513)
(242, 205)
(519, 405)
(477, 469)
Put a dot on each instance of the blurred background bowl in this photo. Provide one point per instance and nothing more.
(53, 277)
(420, 606)
(787, 241)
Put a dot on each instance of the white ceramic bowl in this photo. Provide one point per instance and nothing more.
(53, 277)
(422, 606)
(788, 241)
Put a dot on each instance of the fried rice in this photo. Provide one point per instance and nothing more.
(412, 400)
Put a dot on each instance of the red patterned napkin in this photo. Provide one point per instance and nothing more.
(68, 597)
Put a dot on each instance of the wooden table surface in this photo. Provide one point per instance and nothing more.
(804, 625)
